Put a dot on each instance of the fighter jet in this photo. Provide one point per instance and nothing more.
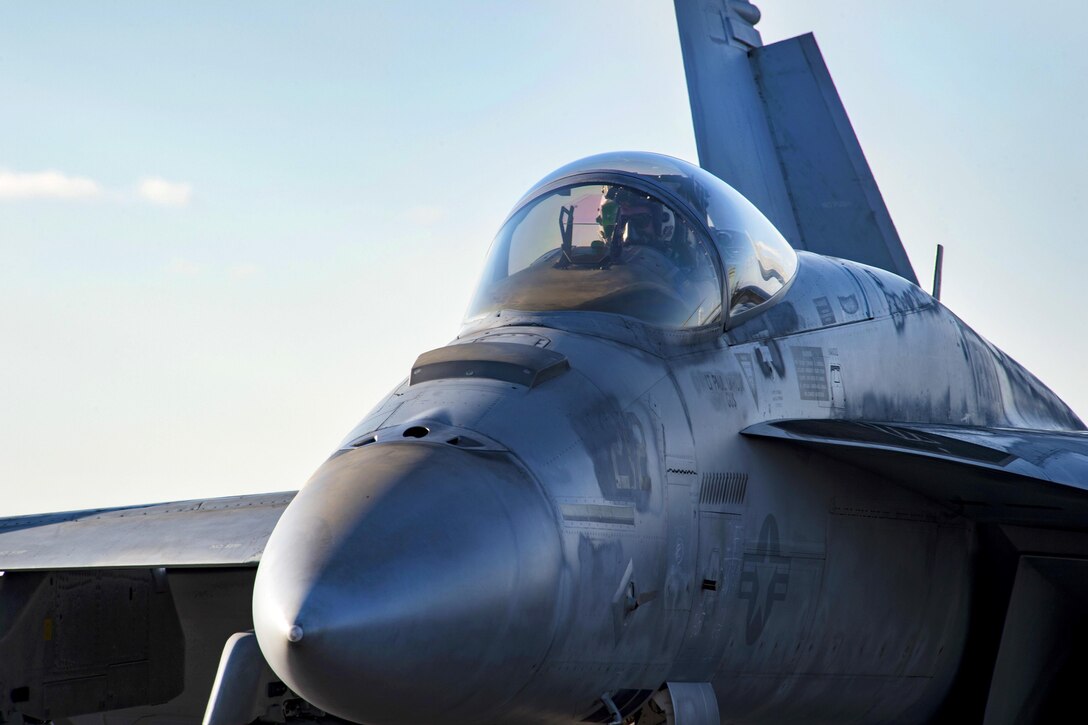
(691, 459)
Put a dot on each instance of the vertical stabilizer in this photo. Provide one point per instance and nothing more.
(769, 121)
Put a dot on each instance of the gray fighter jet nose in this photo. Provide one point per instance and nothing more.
(410, 583)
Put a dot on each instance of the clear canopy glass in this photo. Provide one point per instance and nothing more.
(604, 248)
(598, 244)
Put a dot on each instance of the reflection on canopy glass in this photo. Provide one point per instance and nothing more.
(755, 269)
(604, 248)
(757, 261)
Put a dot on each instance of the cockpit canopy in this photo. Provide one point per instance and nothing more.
(636, 234)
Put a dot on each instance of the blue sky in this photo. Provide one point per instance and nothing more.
(227, 229)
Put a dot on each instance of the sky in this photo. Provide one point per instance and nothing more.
(227, 229)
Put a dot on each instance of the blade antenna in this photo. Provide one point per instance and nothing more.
(938, 267)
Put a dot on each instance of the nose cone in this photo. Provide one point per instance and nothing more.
(410, 583)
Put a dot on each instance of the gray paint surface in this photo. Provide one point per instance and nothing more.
(843, 506)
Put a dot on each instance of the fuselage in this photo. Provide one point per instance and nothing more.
(621, 532)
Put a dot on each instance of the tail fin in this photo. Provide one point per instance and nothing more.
(769, 121)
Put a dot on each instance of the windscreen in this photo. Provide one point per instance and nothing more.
(602, 248)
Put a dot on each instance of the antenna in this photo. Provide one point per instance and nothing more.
(937, 267)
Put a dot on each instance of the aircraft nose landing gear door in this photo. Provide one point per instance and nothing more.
(680, 536)
(717, 564)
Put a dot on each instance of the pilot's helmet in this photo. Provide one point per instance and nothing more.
(643, 220)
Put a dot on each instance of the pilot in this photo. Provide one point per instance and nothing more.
(642, 218)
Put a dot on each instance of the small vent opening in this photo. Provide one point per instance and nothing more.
(416, 431)
(723, 489)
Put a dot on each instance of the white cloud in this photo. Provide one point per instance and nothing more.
(50, 184)
(46, 185)
(163, 192)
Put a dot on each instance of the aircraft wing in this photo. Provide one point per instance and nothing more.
(127, 608)
(217, 532)
(995, 475)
